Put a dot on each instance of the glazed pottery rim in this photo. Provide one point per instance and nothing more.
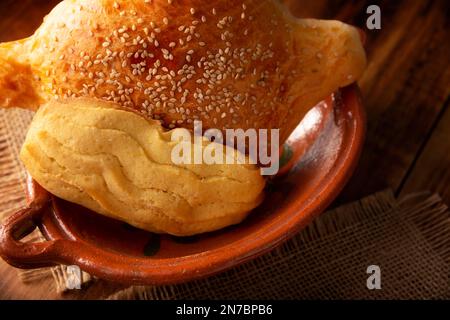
(242, 250)
(160, 271)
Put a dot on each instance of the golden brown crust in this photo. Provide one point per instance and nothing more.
(230, 63)
(18, 82)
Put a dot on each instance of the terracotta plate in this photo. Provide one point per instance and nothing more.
(318, 159)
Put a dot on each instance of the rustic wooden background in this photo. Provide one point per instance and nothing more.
(406, 93)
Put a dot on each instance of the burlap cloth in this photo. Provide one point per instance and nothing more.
(409, 239)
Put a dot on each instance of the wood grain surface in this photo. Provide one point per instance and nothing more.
(406, 93)
(405, 88)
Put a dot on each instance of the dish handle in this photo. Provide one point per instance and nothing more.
(22, 223)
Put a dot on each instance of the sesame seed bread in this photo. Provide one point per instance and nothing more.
(230, 63)
(119, 164)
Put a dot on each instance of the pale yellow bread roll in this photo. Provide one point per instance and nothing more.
(118, 164)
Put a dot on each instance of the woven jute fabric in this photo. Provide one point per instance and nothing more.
(408, 239)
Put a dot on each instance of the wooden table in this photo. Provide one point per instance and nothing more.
(406, 92)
